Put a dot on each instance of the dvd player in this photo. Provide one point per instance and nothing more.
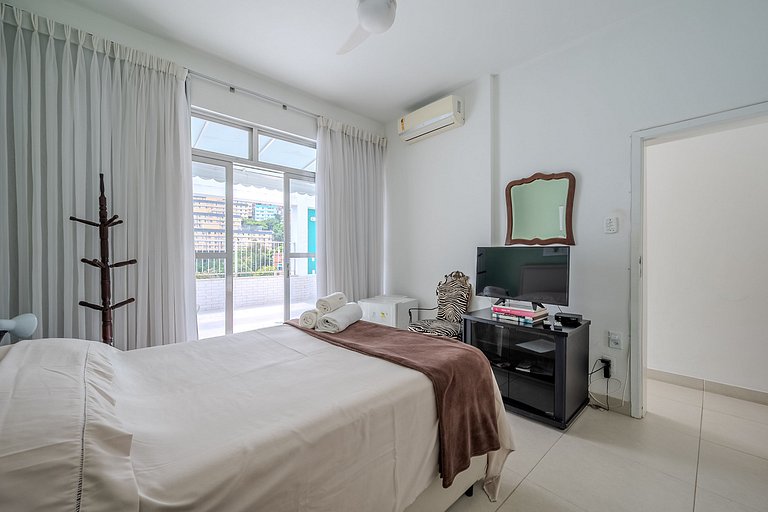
(568, 319)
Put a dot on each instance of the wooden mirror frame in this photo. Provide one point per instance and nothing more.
(568, 239)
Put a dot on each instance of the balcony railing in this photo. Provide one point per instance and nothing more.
(251, 258)
(209, 268)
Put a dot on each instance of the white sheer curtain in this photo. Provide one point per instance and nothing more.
(73, 105)
(350, 210)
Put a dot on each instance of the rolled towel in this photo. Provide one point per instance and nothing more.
(330, 302)
(337, 321)
(308, 319)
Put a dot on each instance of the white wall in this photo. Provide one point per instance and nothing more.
(205, 94)
(706, 254)
(569, 110)
(438, 194)
(575, 110)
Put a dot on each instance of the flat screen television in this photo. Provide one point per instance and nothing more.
(532, 274)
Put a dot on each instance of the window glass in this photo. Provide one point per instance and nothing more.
(209, 207)
(286, 153)
(303, 218)
(255, 242)
(258, 284)
(220, 138)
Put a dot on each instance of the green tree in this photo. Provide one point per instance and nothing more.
(273, 224)
(278, 229)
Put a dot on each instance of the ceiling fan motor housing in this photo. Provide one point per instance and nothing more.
(376, 16)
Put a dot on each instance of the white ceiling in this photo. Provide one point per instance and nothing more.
(433, 46)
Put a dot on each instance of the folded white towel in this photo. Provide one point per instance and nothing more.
(308, 319)
(330, 302)
(337, 321)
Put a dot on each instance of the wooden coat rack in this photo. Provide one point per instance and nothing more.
(106, 308)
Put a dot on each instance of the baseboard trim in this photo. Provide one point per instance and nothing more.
(750, 395)
(673, 378)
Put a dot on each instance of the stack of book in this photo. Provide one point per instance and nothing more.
(519, 315)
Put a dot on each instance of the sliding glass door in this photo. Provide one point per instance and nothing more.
(255, 243)
(255, 227)
(301, 274)
(213, 237)
(258, 218)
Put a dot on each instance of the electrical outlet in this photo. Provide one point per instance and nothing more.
(611, 225)
(608, 371)
(614, 340)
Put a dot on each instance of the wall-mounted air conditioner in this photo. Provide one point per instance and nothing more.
(444, 114)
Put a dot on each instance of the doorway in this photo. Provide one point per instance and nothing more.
(254, 246)
(699, 275)
(254, 215)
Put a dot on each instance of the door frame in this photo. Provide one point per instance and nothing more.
(229, 254)
(254, 162)
(638, 294)
(228, 237)
(288, 253)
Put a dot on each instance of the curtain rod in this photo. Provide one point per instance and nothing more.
(8, 10)
(258, 95)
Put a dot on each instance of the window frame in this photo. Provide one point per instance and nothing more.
(205, 116)
(229, 162)
(254, 130)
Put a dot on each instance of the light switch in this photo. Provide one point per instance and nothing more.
(611, 225)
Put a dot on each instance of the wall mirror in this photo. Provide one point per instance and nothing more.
(540, 209)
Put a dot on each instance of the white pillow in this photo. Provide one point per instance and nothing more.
(61, 445)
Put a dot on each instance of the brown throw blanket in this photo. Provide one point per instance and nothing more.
(460, 375)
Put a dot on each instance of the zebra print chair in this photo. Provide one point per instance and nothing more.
(453, 295)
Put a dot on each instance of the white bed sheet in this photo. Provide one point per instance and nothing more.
(272, 420)
(298, 425)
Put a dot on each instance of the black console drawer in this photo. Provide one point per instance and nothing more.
(535, 394)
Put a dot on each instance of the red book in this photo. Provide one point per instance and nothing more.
(505, 310)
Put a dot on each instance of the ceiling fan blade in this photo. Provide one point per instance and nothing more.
(357, 37)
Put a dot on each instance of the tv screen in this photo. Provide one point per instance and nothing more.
(532, 274)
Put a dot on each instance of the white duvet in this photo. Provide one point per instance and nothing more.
(272, 420)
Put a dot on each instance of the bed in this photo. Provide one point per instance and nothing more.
(273, 420)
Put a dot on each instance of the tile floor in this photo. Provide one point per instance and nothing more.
(694, 451)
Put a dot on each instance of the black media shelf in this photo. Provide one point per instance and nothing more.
(542, 373)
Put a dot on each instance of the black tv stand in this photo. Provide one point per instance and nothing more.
(541, 373)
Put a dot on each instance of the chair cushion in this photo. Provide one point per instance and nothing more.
(436, 327)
